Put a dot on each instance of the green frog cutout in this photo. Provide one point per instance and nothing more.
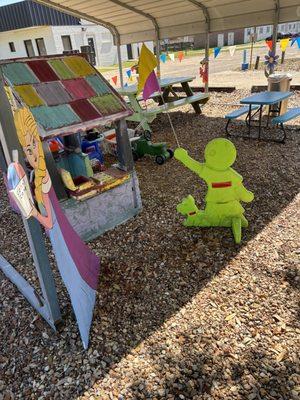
(225, 189)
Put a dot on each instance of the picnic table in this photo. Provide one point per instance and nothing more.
(256, 103)
(164, 101)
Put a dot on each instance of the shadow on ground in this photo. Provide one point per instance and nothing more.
(151, 267)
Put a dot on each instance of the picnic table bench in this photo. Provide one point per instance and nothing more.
(256, 103)
(238, 113)
(164, 101)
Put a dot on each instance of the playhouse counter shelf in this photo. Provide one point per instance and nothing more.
(98, 214)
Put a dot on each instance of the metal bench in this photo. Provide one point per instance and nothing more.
(238, 113)
(287, 116)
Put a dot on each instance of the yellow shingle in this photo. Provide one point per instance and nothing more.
(29, 95)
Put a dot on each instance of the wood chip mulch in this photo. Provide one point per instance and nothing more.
(181, 313)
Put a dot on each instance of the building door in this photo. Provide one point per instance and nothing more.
(220, 39)
(230, 38)
(129, 52)
(40, 44)
(29, 48)
(91, 43)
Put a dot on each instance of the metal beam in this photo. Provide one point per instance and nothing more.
(154, 22)
(204, 10)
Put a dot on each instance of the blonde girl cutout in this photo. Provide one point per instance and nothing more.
(26, 125)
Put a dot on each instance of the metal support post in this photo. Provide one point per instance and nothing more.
(123, 146)
(275, 31)
(120, 62)
(158, 55)
(207, 61)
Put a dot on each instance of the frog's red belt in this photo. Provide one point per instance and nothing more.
(218, 185)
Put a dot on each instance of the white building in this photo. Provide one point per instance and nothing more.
(262, 32)
(49, 33)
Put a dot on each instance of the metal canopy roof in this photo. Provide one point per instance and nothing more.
(140, 20)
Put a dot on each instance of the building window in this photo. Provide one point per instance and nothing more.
(261, 29)
(67, 44)
(12, 47)
(40, 44)
(268, 29)
(29, 48)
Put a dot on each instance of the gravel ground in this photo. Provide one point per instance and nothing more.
(181, 313)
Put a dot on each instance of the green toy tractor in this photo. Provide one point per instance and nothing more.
(142, 146)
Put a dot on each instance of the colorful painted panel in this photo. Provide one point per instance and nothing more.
(61, 69)
(51, 88)
(79, 66)
(79, 88)
(98, 84)
(29, 95)
(18, 73)
(107, 104)
(77, 264)
(43, 71)
(53, 93)
(55, 116)
(85, 110)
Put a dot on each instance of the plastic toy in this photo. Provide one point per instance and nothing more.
(143, 146)
(225, 189)
(92, 149)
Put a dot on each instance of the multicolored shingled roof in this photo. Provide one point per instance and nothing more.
(62, 92)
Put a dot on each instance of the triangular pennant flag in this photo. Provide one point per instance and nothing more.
(210, 51)
(126, 84)
(128, 72)
(172, 56)
(231, 50)
(298, 41)
(163, 57)
(115, 79)
(147, 82)
(180, 56)
(284, 43)
(217, 51)
(269, 43)
(130, 79)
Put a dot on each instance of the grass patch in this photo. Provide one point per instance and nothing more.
(125, 64)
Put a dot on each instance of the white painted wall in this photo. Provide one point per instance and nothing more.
(263, 32)
(18, 37)
(106, 52)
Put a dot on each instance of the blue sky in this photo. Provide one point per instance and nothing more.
(5, 2)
